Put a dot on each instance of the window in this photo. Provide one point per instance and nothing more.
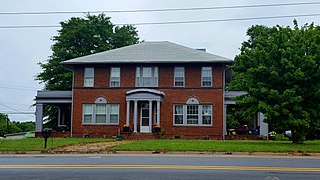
(114, 113)
(206, 114)
(206, 77)
(147, 77)
(178, 114)
(115, 77)
(87, 113)
(100, 113)
(179, 76)
(88, 77)
(192, 115)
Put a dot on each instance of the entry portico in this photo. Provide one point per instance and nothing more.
(146, 97)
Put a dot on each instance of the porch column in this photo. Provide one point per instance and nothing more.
(158, 112)
(59, 116)
(150, 116)
(39, 117)
(128, 113)
(135, 116)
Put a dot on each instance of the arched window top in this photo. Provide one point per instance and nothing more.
(192, 101)
(100, 100)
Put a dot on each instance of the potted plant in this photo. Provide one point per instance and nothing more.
(126, 128)
(157, 129)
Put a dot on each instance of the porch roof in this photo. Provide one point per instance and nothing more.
(53, 97)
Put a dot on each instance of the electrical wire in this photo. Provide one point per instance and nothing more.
(161, 10)
(177, 22)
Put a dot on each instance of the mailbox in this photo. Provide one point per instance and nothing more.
(46, 132)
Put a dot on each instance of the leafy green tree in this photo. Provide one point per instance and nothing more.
(79, 37)
(279, 67)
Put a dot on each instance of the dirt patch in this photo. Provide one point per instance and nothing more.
(98, 147)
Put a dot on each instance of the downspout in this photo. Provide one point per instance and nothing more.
(72, 88)
(224, 124)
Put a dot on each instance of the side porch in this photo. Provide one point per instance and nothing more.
(60, 103)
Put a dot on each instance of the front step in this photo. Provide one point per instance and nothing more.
(140, 136)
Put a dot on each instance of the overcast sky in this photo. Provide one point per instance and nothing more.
(21, 49)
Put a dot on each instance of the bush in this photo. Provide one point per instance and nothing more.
(280, 137)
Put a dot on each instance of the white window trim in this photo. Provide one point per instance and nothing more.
(111, 77)
(174, 74)
(199, 115)
(93, 122)
(203, 76)
(154, 79)
(85, 77)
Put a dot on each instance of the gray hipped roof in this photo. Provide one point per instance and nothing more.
(150, 52)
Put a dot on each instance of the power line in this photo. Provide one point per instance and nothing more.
(22, 112)
(177, 22)
(14, 109)
(21, 89)
(161, 10)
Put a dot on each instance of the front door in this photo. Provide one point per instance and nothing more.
(144, 118)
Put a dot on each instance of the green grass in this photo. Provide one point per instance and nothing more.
(219, 146)
(36, 144)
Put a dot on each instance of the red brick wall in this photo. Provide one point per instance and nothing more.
(172, 96)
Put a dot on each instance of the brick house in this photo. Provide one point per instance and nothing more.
(140, 89)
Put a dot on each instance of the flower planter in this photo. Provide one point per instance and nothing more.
(126, 129)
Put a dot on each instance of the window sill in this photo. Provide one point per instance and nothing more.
(99, 124)
(192, 125)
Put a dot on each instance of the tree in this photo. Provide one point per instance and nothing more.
(79, 37)
(279, 68)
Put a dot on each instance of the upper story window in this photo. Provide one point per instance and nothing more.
(206, 77)
(147, 77)
(179, 76)
(88, 77)
(115, 77)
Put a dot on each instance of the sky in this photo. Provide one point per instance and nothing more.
(22, 48)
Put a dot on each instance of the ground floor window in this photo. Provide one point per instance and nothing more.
(100, 113)
(193, 114)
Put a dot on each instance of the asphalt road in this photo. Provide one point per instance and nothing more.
(158, 166)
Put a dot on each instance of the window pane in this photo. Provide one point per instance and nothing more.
(178, 109)
(101, 113)
(87, 109)
(206, 76)
(179, 72)
(88, 82)
(114, 113)
(101, 118)
(114, 108)
(87, 118)
(178, 119)
(114, 119)
(206, 114)
(115, 72)
(88, 72)
(192, 114)
(88, 77)
(146, 72)
(147, 77)
(101, 109)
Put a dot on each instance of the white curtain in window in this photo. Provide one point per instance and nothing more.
(115, 72)
(146, 72)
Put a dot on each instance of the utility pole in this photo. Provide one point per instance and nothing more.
(7, 118)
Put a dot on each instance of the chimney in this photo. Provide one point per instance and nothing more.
(202, 49)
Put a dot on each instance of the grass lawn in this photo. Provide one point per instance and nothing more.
(34, 144)
(219, 146)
